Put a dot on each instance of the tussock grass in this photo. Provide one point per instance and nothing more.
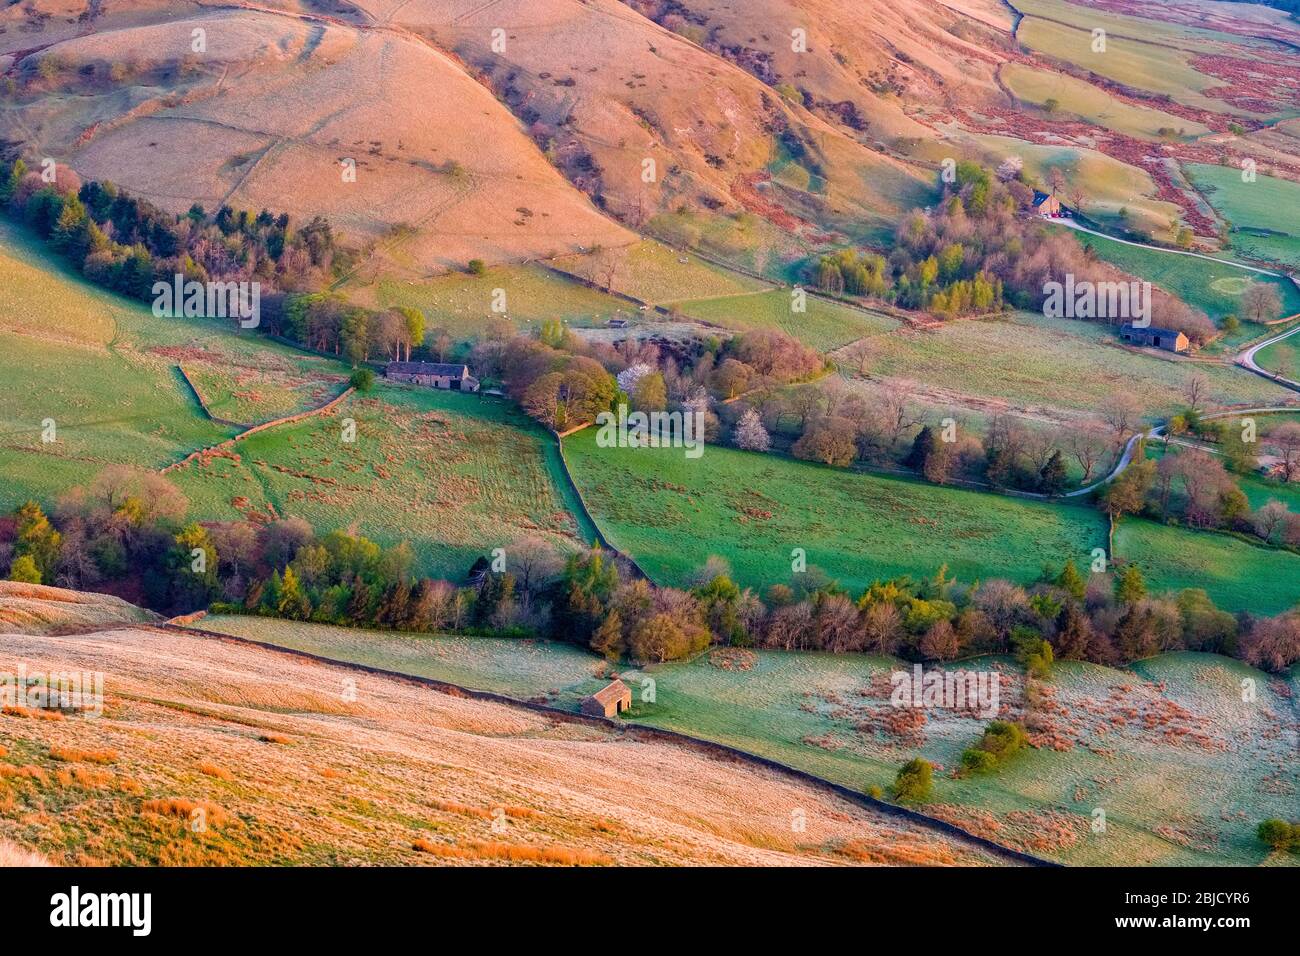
(188, 704)
(74, 755)
(214, 816)
(11, 854)
(31, 713)
(478, 850)
(82, 777)
(26, 772)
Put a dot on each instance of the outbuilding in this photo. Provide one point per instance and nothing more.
(1154, 338)
(610, 701)
(433, 374)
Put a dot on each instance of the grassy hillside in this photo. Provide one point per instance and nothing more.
(107, 372)
(1077, 98)
(671, 513)
(1261, 212)
(463, 304)
(822, 326)
(655, 273)
(1181, 766)
(1050, 367)
(1155, 68)
(440, 172)
(454, 474)
(1238, 575)
(212, 753)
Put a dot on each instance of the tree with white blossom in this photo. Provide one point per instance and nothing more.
(750, 433)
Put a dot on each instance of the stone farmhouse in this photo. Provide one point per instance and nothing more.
(433, 374)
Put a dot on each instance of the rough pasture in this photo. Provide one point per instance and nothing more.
(455, 475)
(1181, 765)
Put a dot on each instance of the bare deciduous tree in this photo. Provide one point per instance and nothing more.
(1195, 390)
(1121, 411)
(1285, 439)
(1261, 302)
(1086, 444)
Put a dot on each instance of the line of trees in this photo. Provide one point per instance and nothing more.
(839, 426)
(128, 532)
(126, 244)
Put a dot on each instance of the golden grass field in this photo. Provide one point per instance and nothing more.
(214, 752)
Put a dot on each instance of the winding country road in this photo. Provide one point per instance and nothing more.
(1071, 224)
(1246, 359)
(1158, 431)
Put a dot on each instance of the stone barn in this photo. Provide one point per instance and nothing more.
(1154, 338)
(610, 701)
(433, 374)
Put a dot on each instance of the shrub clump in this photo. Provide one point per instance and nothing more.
(912, 785)
(1002, 740)
(1280, 835)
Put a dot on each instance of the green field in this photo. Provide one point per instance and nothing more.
(823, 326)
(1154, 30)
(1079, 98)
(1238, 575)
(1031, 362)
(671, 513)
(463, 304)
(1213, 288)
(252, 394)
(1263, 213)
(1281, 358)
(454, 474)
(1166, 803)
(107, 372)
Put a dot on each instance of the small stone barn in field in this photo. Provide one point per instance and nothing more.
(433, 374)
(1154, 338)
(610, 701)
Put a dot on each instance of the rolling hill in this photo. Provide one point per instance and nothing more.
(216, 752)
